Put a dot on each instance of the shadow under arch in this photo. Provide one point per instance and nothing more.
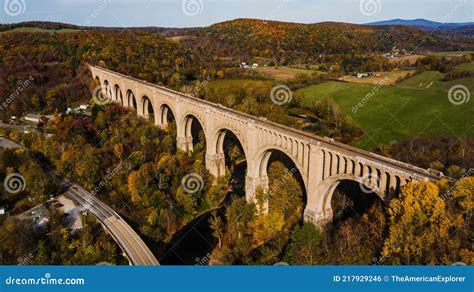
(147, 109)
(194, 132)
(118, 94)
(347, 196)
(166, 117)
(265, 161)
(108, 90)
(131, 100)
(230, 147)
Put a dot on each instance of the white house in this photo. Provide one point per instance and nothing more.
(362, 75)
(34, 118)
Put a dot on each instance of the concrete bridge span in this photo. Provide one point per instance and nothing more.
(321, 162)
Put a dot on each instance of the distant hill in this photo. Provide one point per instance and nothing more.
(421, 23)
(244, 39)
(39, 24)
(297, 42)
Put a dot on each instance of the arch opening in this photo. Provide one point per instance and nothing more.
(286, 188)
(147, 110)
(351, 199)
(131, 100)
(108, 90)
(235, 160)
(195, 132)
(118, 94)
(96, 84)
(166, 117)
(355, 220)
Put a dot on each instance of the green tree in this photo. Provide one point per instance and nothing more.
(305, 246)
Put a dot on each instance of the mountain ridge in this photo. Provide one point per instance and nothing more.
(421, 23)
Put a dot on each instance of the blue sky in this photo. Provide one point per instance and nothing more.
(172, 13)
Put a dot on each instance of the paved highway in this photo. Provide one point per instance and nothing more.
(130, 242)
(18, 127)
(5, 143)
(133, 246)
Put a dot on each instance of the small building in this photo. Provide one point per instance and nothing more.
(40, 217)
(37, 119)
(362, 75)
(247, 66)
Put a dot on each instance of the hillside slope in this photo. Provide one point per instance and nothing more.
(245, 38)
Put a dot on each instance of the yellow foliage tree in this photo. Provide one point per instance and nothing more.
(420, 229)
(266, 227)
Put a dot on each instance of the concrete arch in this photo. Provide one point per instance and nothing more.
(264, 155)
(165, 111)
(118, 96)
(146, 106)
(185, 130)
(215, 154)
(98, 83)
(218, 137)
(131, 100)
(295, 170)
(328, 187)
(108, 90)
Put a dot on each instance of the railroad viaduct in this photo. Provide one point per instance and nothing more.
(322, 163)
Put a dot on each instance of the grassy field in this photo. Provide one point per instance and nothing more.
(283, 73)
(469, 67)
(226, 83)
(35, 29)
(386, 78)
(431, 80)
(393, 113)
(451, 54)
(411, 58)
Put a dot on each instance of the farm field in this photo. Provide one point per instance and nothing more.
(283, 73)
(411, 58)
(393, 113)
(385, 78)
(469, 67)
(226, 83)
(450, 54)
(431, 80)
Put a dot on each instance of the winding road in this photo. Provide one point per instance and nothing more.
(132, 245)
(130, 242)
